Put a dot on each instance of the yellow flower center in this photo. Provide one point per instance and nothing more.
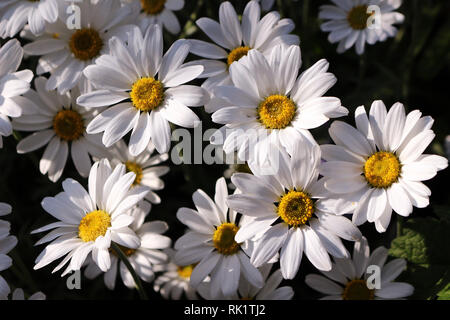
(276, 112)
(147, 94)
(357, 290)
(68, 125)
(358, 16)
(237, 54)
(153, 6)
(185, 271)
(223, 239)
(137, 169)
(93, 225)
(85, 44)
(295, 208)
(382, 169)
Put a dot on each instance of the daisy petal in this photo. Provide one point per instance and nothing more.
(269, 244)
(315, 251)
(395, 290)
(203, 269)
(291, 253)
(323, 285)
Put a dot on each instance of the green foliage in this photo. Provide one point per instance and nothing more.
(444, 285)
(424, 243)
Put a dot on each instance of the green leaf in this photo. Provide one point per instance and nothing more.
(424, 241)
(411, 246)
(424, 244)
(444, 293)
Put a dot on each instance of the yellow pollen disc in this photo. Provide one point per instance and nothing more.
(358, 16)
(85, 44)
(295, 208)
(93, 225)
(357, 290)
(68, 125)
(382, 169)
(223, 239)
(185, 271)
(276, 112)
(137, 169)
(153, 6)
(236, 54)
(147, 94)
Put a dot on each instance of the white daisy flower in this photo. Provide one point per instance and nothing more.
(143, 258)
(160, 12)
(174, 280)
(378, 167)
(12, 85)
(233, 40)
(14, 14)
(145, 166)
(246, 291)
(354, 22)
(284, 205)
(58, 122)
(153, 86)
(18, 294)
(349, 277)
(210, 243)
(88, 222)
(7, 243)
(66, 52)
(270, 104)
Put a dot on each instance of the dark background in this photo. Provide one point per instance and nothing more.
(412, 68)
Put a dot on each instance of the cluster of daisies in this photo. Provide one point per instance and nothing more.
(109, 94)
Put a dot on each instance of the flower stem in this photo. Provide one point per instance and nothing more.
(130, 268)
